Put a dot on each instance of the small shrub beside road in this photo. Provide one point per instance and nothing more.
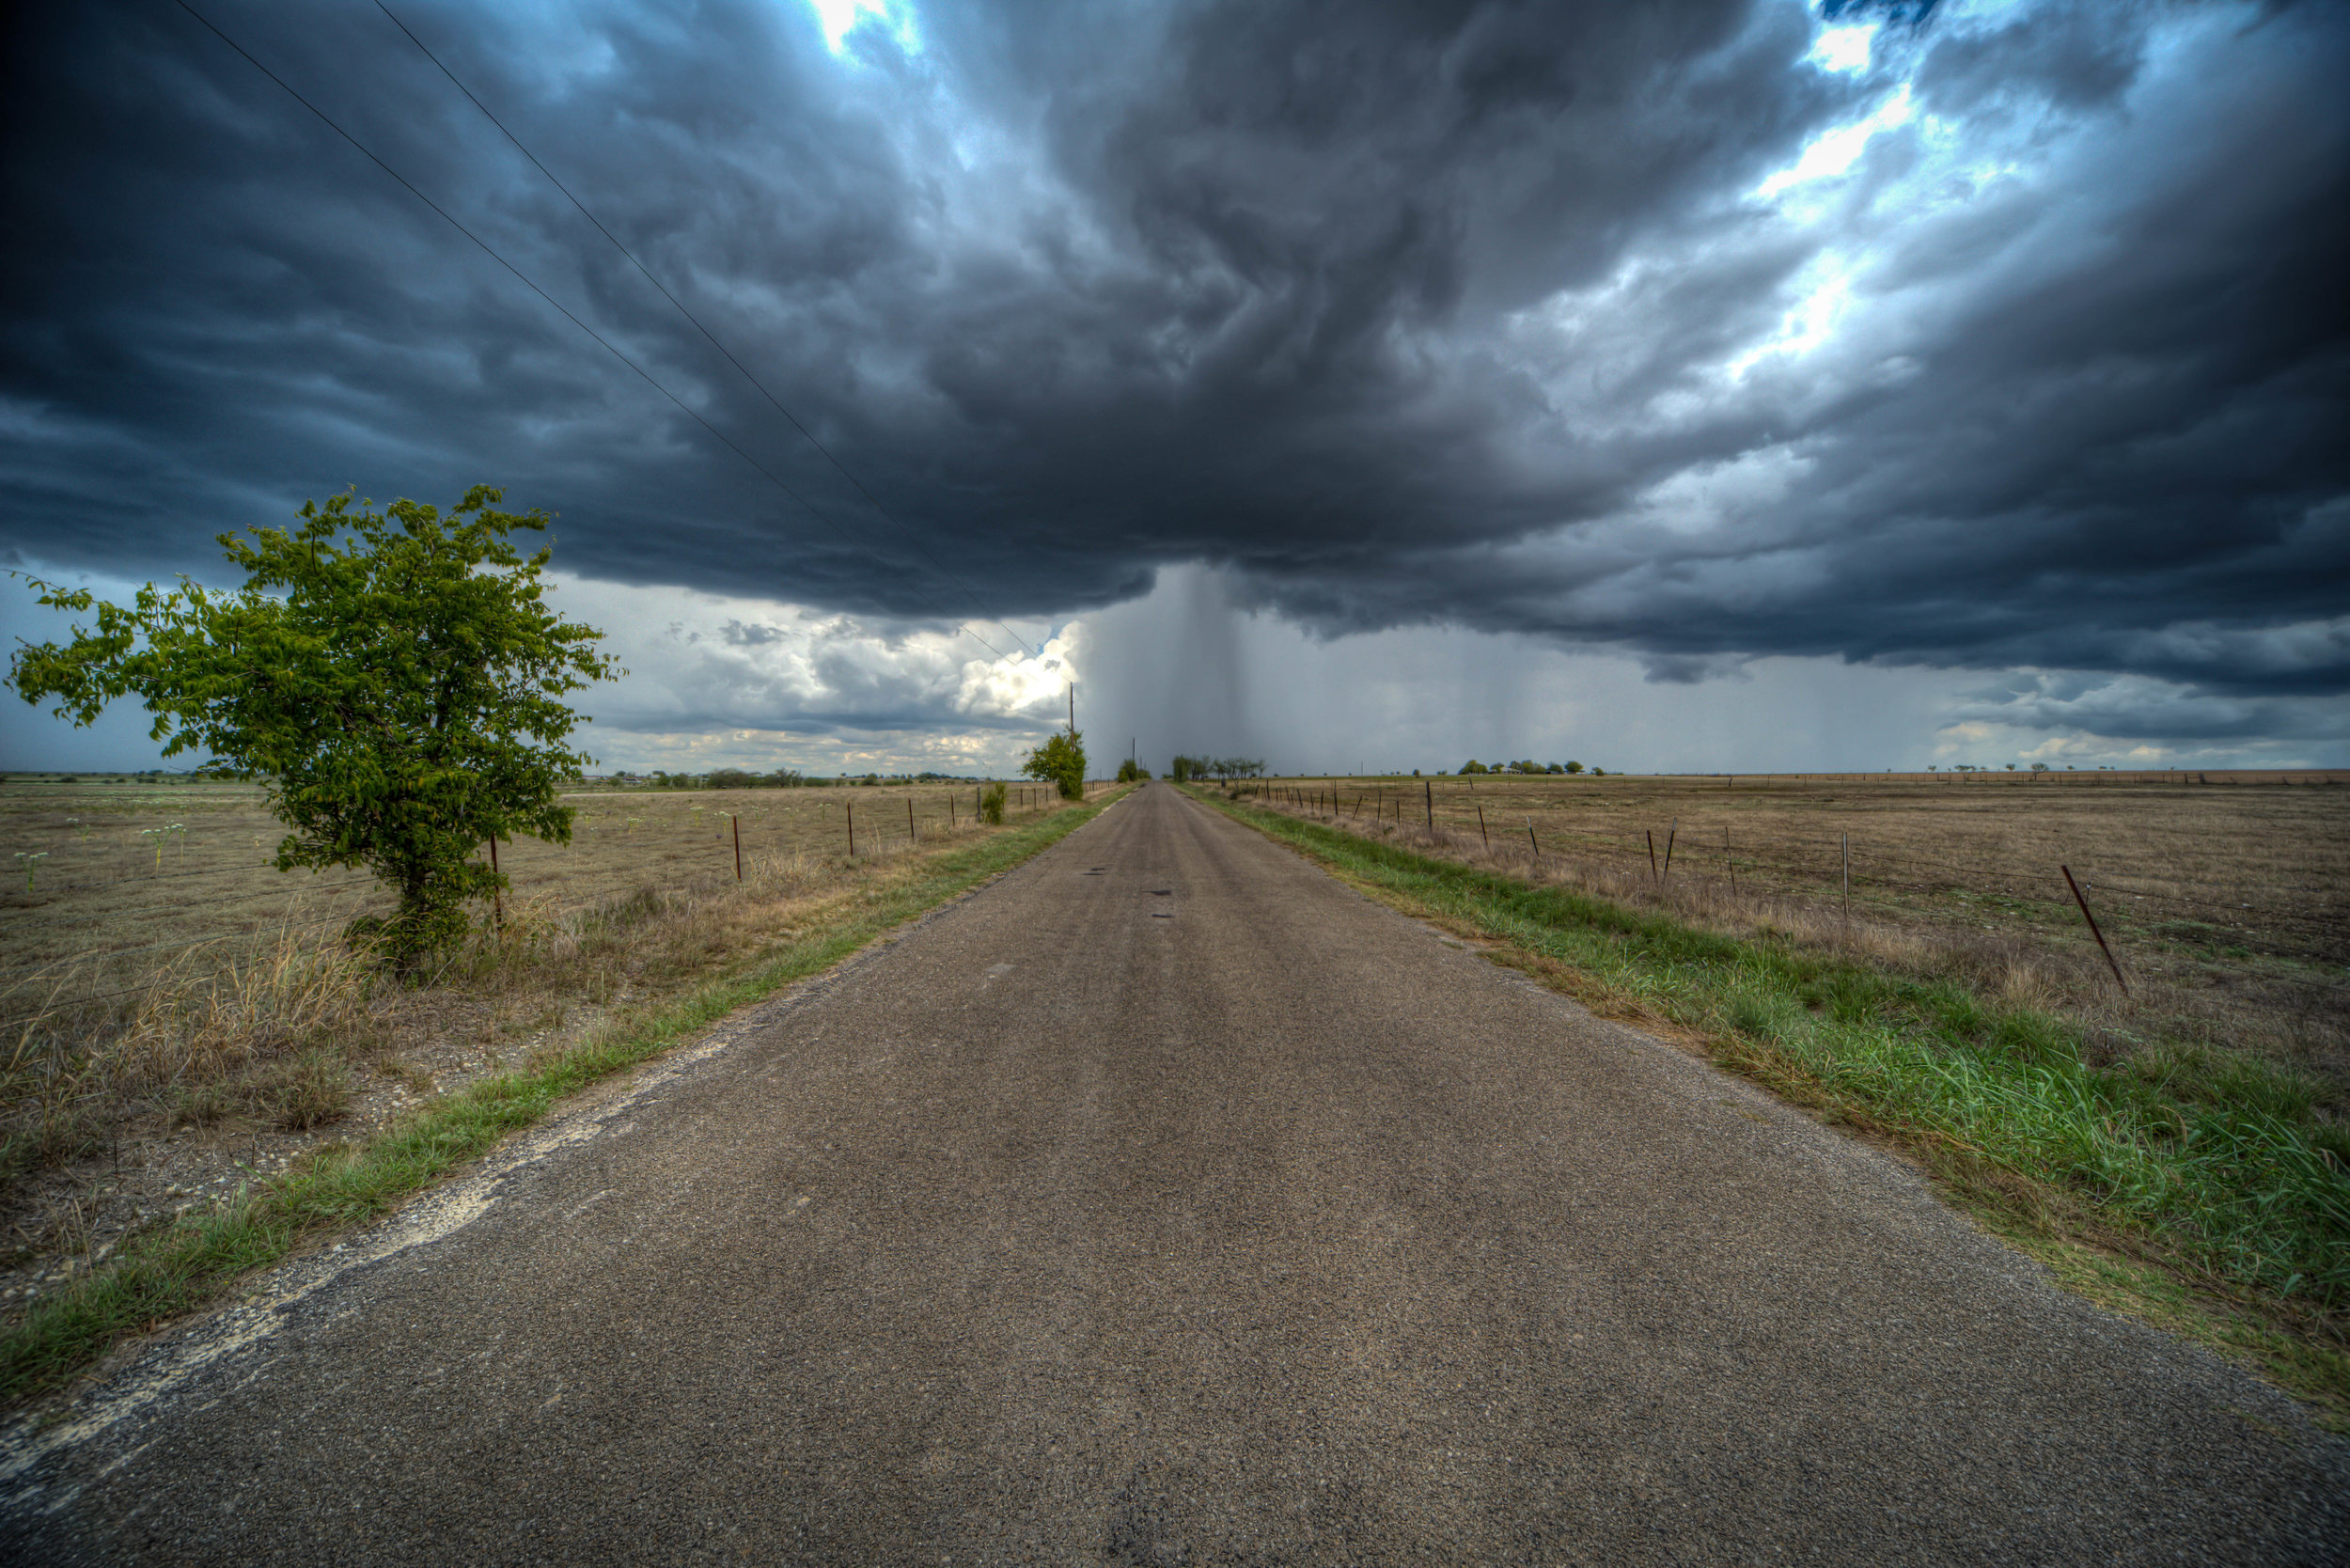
(1061, 762)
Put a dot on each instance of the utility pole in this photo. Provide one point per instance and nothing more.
(1073, 707)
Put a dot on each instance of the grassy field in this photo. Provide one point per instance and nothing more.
(178, 1019)
(2226, 904)
(140, 881)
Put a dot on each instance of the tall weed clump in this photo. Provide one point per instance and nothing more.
(264, 1033)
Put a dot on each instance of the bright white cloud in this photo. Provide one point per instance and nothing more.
(759, 682)
(1843, 49)
(1834, 151)
(840, 18)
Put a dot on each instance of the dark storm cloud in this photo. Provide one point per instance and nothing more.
(1403, 313)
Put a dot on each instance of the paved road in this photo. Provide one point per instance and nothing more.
(1168, 1203)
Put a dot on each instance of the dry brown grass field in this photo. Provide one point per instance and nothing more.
(2224, 896)
(138, 883)
(178, 1016)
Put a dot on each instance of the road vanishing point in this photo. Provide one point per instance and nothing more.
(1166, 1201)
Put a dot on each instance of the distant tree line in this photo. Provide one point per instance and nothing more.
(1529, 766)
(781, 779)
(1224, 769)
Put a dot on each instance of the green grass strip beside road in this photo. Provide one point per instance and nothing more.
(199, 1258)
(2138, 1197)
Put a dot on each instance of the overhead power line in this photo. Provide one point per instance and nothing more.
(524, 280)
(911, 539)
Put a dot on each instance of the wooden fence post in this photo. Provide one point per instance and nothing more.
(851, 809)
(1429, 786)
(1729, 860)
(738, 846)
(911, 835)
(1481, 828)
(1651, 833)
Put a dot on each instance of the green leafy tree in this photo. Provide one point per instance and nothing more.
(1131, 771)
(395, 677)
(1061, 761)
(992, 805)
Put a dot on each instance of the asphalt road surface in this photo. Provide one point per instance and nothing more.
(1166, 1203)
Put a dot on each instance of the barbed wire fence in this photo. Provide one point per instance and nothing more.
(1447, 820)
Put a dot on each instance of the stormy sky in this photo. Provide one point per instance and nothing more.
(1707, 384)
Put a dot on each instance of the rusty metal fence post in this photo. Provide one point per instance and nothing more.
(2100, 936)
